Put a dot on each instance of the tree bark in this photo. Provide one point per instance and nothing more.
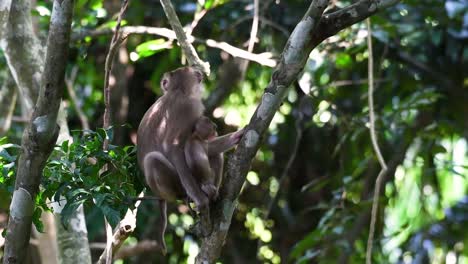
(41, 133)
(311, 31)
(292, 61)
(23, 52)
(7, 104)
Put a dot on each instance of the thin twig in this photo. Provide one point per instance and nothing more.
(253, 37)
(287, 168)
(263, 20)
(355, 82)
(262, 58)
(115, 43)
(144, 246)
(188, 49)
(196, 19)
(74, 99)
(378, 182)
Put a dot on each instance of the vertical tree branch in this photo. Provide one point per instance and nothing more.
(40, 135)
(113, 241)
(69, 82)
(375, 144)
(115, 43)
(253, 37)
(188, 49)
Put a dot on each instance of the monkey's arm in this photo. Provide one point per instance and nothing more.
(224, 143)
(192, 188)
(188, 181)
(199, 163)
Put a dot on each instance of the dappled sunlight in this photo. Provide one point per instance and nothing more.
(416, 204)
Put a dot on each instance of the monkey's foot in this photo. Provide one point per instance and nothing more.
(201, 230)
(196, 229)
(210, 190)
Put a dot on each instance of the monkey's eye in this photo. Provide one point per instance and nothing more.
(164, 83)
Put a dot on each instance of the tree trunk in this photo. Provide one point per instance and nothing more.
(41, 133)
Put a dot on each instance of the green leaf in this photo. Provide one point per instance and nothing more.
(6, 156)
(69, 210)
(343, 61)
(438, 149)
(59, 192)
(306, 243)
(151, 47)
(37, 220)
(209, 4)
(65, 146)
(112, 216)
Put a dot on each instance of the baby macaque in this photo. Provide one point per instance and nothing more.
(164, 132)
(196, 155)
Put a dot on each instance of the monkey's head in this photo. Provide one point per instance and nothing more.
(204, 128)
(185, 80)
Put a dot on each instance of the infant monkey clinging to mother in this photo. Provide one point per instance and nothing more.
(178, 148)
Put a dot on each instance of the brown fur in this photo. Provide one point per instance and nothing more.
(165, 132)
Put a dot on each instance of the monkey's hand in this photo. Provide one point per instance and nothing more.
(210, 190)
(236, 136)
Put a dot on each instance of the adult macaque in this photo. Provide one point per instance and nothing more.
(161, 139)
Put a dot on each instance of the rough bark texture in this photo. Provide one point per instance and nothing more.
(292, 61)
(41, 134)
(23, 51)
(7, 104)
(70, 241)
(189, 51)
(47, 244)
(19, 46)
(4, 13)
(309, 32)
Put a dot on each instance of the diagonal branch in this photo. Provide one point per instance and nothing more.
(294, 57)
(334, 22)
(309, 32)
(40, 135)
(189, 51)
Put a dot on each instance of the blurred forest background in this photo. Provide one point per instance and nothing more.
(308, 194)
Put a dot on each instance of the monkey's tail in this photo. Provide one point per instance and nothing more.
(163, 209)
(150, 160)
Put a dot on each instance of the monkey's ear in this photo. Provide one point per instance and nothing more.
(164, 84)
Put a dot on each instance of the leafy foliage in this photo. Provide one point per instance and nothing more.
(76, 174)
(320, 214)
(8, 153)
